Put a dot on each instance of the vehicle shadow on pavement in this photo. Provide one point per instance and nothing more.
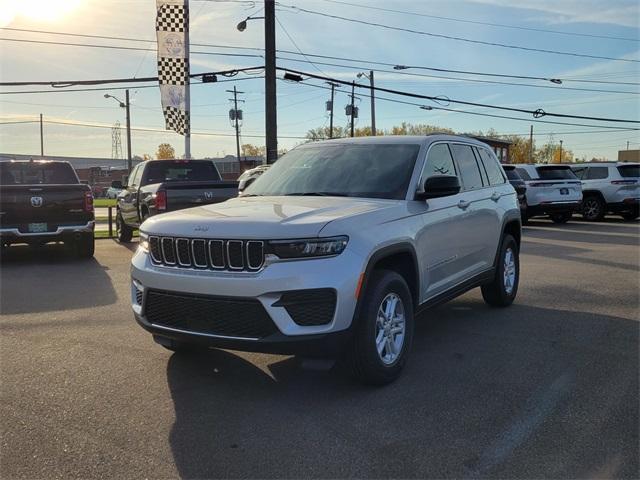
(523, 392)
(582, 235)
(57, 280)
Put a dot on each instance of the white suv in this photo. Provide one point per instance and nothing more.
(552, 190)
(333, 251)
(609, 187)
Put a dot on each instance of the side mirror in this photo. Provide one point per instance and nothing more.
(116, 184)
(439, 186)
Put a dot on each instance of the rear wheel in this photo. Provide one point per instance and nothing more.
(503, 289)
(562, 217)
(85, 245)
(384, 332)
(593, 208)
(123, 232)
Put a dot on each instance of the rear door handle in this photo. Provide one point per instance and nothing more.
(463, 204)
(495, 196)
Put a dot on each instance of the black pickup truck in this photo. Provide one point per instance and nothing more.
(158, 186)
(43, 202)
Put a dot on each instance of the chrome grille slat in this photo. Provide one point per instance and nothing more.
(199, 253)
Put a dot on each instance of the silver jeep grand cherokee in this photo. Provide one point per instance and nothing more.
(333, 251)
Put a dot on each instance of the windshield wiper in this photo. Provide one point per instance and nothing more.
(317, 194)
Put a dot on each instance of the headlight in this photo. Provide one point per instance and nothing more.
(320, 247)
(143, 243)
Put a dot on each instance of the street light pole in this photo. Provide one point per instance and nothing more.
(353, 86)
(271, 115)
(373, 104)
(42, 139)
(333, 88)
(560, 151)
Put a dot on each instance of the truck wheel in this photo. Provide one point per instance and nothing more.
(593, 208)
(384, 330)
(123, 232)
(85, 246)
(563, 217)
(503, 289)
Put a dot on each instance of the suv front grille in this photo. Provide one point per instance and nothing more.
(234, 255)
(222, 316)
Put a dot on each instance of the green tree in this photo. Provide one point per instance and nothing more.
(250, 150)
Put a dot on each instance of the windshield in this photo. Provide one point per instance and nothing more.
(556, 173)
(362, 170)
(180, 171)
(35, 173)
(629, 171)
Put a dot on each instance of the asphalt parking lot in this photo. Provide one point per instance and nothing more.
(546, 388)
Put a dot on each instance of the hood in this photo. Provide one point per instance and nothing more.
(261, 217)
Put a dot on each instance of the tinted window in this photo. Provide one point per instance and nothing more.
(555, 173)
(492, 167)
(629, 171)
(579, 171)
(467, 167)
(597, 173)
(439, 162)
(178, 171)
(35, 173)
(512, 174)
(523, 173)
(357, 170)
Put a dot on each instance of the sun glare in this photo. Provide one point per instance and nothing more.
(37, 10)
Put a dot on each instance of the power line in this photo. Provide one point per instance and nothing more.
(473, 80)
(305, 54)
(536, 113)
(489, 24)
(297, 47)
(450, 37)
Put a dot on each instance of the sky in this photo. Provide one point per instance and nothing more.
(600, 28)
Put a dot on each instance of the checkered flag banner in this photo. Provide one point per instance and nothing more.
(172, 31)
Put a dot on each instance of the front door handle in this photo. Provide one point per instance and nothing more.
(463, 204)
(495, 196)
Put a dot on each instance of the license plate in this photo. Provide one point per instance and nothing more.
(37, 227)
(564, 191)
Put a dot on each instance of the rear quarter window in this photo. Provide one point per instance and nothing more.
(629, 171)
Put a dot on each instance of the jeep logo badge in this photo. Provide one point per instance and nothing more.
(36, 201)
(208, 195)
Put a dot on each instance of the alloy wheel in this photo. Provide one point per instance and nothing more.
(390, 328)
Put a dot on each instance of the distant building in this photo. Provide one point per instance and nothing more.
(629, 156)
(500, 147)
(230, 168)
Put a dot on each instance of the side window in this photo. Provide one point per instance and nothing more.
(597, 173)
(439, 162)
(579, 171)
(135, 176)
(523, 173)
(491, 166)
(468, 170)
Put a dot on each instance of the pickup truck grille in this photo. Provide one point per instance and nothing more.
(200, 253)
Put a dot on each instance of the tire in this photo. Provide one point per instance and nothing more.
(385, 289)
(593, 208)
(85, 246)
(632, 215)
(502, 291)
(562, 217)
(124, 233)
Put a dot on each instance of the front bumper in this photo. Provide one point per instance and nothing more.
(61, 233)
(339, 274)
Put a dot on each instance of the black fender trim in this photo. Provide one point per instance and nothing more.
(509, 217)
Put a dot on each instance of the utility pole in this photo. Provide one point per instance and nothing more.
(41, 129)
(333, 88)
(373, 104)
(271, 114)
(129, 166)
(560, 151)
(531, 145)
(42, 139)
(236, 115)
(353, 87)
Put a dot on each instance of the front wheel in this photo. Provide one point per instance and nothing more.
(384, 332)
(123, 232)
(563, 217)
(502, 291)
